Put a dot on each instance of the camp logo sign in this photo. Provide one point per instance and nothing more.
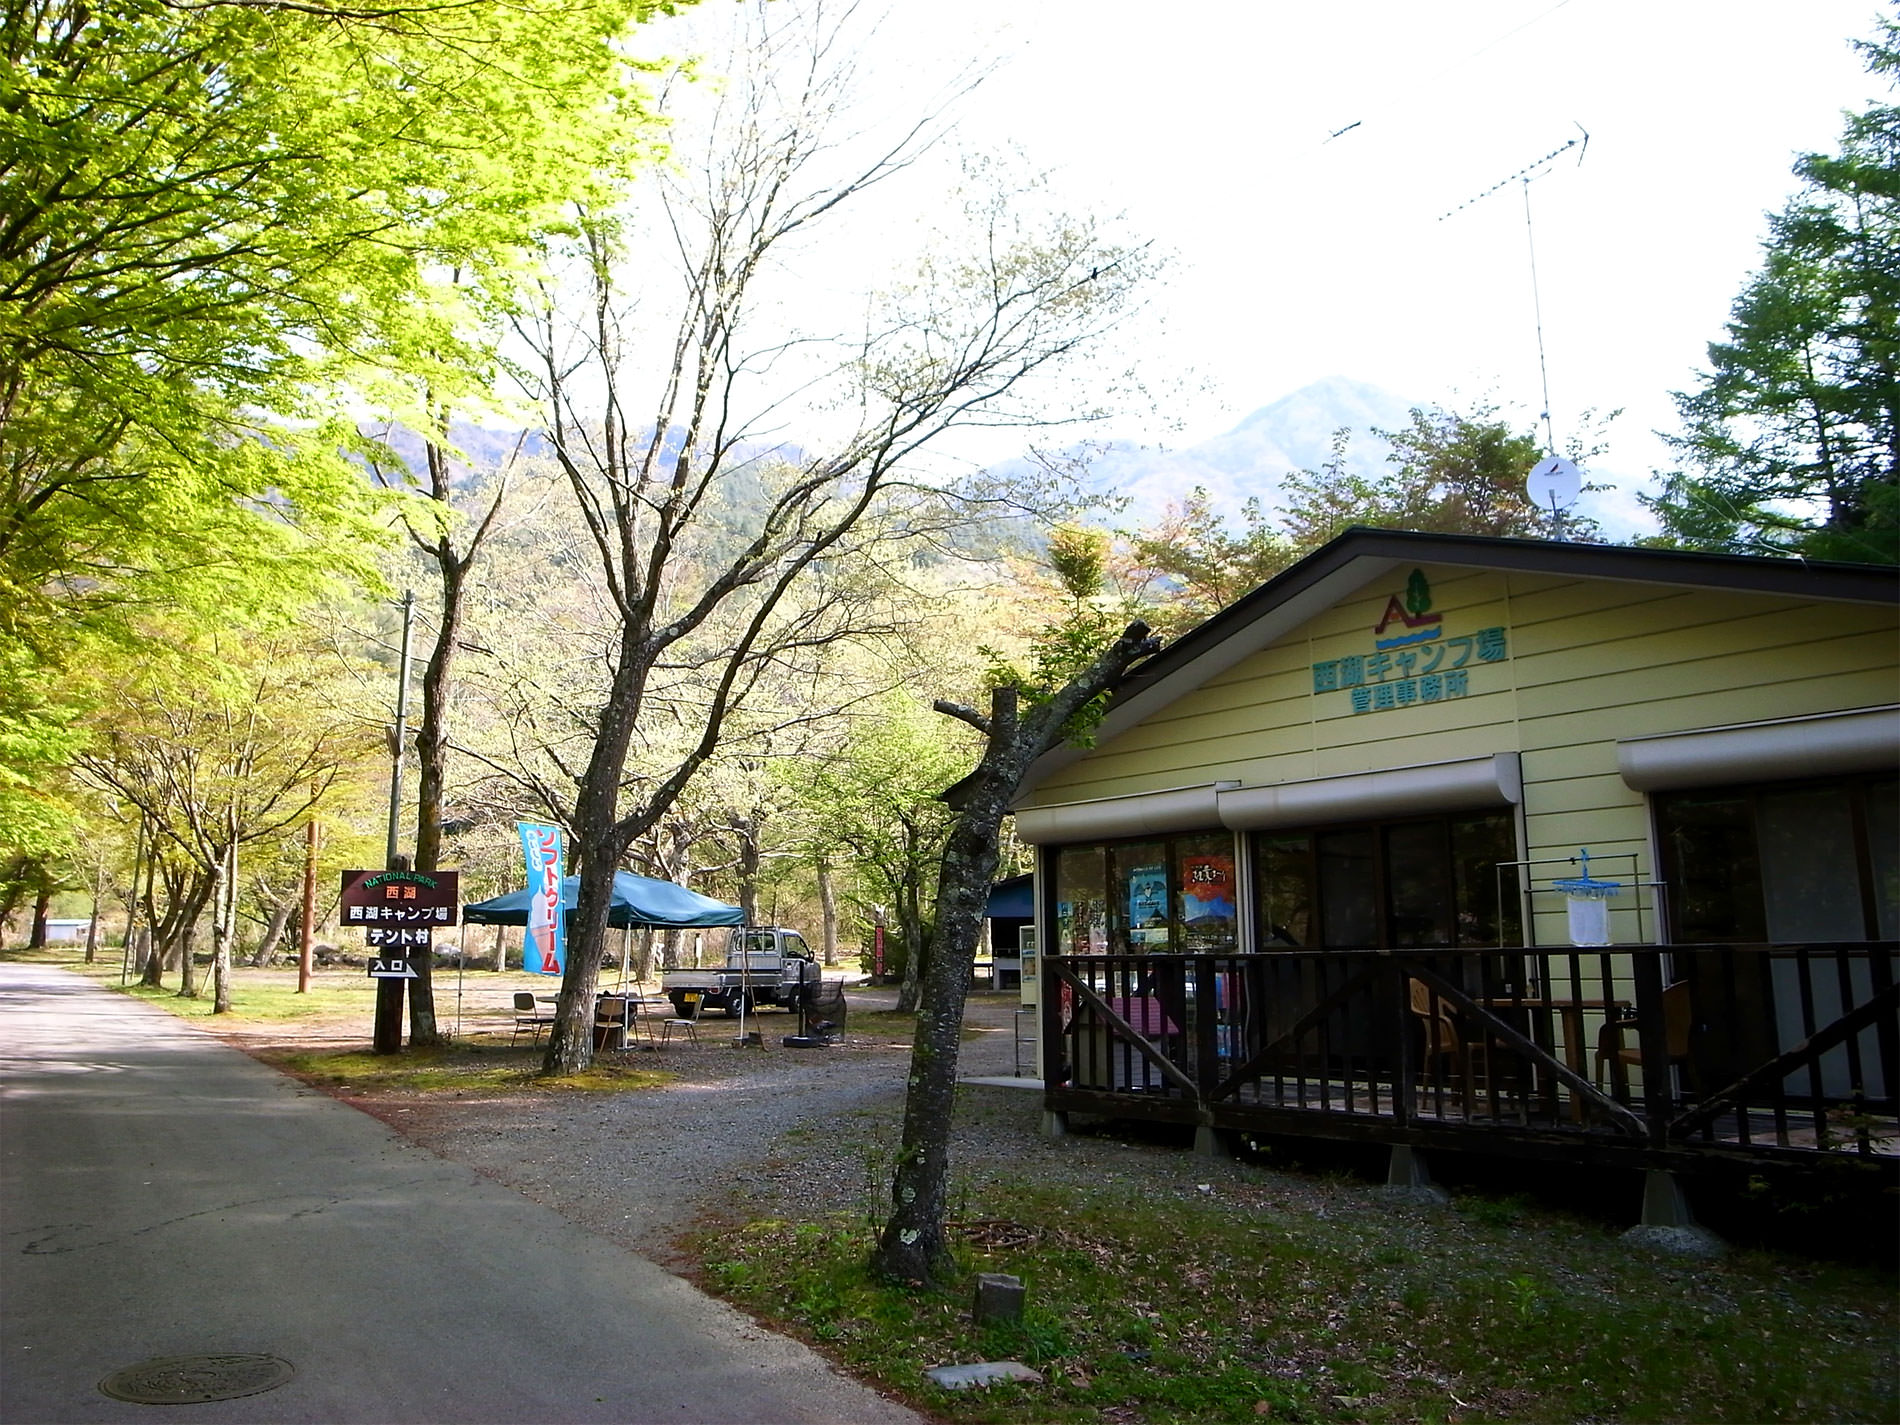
(1412, 661)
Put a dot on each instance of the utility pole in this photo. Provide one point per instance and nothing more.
(389, 991)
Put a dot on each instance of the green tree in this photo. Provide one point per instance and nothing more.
(216, 219)
(1793, 436)
(874, 804)
(1448, 473)
(223, 753)
(1192, 564)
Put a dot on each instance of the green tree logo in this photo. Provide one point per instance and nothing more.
(1418, 594)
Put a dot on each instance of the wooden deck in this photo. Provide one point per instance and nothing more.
(1656, 1056)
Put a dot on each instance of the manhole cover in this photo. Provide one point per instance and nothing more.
(191, 1380)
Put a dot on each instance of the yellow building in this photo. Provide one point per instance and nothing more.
(1324, 868)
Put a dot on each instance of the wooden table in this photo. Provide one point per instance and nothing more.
(1570, 1012)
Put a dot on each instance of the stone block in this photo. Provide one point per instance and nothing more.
(999, 1299)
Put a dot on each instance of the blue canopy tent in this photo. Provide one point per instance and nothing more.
(1012, 905)
(639, 902)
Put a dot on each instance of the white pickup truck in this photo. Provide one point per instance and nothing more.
(767, 964)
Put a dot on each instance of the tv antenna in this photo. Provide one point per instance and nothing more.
(1524, 175)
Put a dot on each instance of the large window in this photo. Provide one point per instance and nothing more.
(1424, 882)
(1783, 863)
(1167, 895)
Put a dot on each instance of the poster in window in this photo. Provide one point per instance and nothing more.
(1207, 900)
(1148, 908)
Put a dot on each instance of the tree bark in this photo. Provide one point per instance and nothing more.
(273, 932)
(432, 757)
(598, 843)
(92, 925)
(828, 912)
(223, 925)
(912, 1245)
(751, 855)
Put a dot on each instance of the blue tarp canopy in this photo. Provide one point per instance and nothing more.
(1012, 899)
(639, 901)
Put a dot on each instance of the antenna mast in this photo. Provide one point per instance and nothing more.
(1524, 175)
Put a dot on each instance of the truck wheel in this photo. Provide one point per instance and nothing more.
(735, 1006)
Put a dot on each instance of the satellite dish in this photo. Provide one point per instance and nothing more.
(1554, 483)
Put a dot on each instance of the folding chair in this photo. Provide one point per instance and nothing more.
(687, 1024)
(529, 1017)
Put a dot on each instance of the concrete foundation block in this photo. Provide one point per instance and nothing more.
(1664, 1202)
(1408, 1178)
(1668, 1225)
(1055, 1124)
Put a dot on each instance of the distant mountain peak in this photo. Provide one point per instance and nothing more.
(1249, 461)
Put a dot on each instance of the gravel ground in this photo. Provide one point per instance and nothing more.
(814, 1126)
(749, 1131)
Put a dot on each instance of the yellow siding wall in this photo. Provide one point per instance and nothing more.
(1588, 662)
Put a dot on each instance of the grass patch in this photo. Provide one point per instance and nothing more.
(889, 1024)
(1232, 1306)
(461, 1068)
(268, 1000)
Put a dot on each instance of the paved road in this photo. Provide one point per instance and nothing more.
(162, 1194)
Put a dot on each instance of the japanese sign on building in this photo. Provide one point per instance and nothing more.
(1411, 661)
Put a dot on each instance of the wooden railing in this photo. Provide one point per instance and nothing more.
(1665, 1049)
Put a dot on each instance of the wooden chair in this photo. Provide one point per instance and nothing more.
(1678, 1012)
(613, 1021)
(1445, 1038)
(530, 1018)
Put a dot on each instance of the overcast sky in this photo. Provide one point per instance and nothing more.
(1300, 254)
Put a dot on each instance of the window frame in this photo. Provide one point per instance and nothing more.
(1511, 911)
(1115, 870)
(1860, 790)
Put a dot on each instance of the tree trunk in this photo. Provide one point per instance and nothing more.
(750, 857)
(828, 912)
(917, 948)
(92, 925)
(432, 730)
(432, 765)
(912, 1246)
(597, 845)
(571, 1040)
(223, 926)
(187, 958)
(273, 932)
(42, 904)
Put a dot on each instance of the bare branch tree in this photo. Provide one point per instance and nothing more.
(715, 539)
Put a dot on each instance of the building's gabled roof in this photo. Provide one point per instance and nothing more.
(1339, 569)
